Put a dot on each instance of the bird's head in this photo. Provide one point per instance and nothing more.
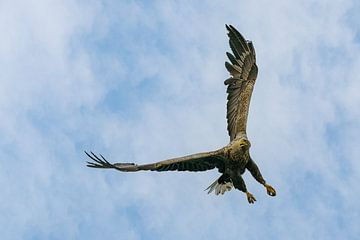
(245, 144)
(240, 147)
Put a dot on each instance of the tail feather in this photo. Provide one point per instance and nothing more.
(211, 187)
(220, 188)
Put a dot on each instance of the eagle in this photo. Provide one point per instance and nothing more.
(233, 159)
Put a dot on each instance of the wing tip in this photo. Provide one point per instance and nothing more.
(229, 27)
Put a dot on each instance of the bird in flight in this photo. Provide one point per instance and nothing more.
(233, 159)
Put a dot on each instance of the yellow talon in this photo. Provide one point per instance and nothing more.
(270, 190)
(251, 199)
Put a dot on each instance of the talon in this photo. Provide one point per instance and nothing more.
(251, 199)
(270, 190)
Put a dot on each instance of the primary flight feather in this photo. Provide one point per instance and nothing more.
(233, 159)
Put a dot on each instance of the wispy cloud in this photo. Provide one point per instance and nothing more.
(140, 81)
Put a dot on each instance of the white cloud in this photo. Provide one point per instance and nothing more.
(67, 65)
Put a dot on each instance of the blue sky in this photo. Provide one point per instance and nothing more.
(142, 81)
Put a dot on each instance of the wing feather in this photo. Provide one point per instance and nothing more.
(243, 71)
(232, 58)
(195, 162)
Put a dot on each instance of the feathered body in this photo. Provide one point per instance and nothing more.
(233, 159)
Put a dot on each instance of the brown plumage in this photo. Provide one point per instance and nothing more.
(233, 159)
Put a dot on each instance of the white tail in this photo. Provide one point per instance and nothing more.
(219, 187)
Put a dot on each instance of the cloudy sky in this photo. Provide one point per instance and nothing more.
(142, 81)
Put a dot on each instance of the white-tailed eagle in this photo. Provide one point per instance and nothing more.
(233, 159)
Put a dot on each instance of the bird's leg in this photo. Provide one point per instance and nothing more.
(255, 172)
(239, 184)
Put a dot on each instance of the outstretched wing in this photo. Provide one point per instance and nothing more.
(195, 162)
(243, 71)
